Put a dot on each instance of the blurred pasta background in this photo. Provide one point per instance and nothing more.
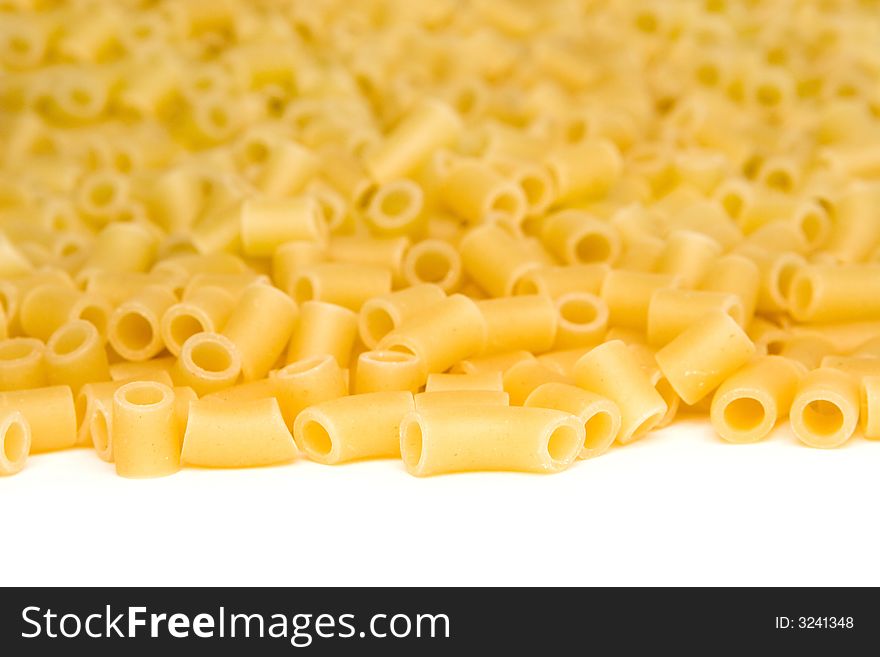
(496, 234)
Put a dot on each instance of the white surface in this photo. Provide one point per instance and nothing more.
(680, 507)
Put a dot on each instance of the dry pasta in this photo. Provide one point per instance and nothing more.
(307, 222)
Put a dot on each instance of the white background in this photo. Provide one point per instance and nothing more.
(678, 507)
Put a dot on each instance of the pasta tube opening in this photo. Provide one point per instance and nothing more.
(15, 435)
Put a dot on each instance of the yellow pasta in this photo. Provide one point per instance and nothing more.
(477, 381)
(628, 296)
(381, 315)
(747, 406)
(433, 261)
(266, 224)
(146, 431)
(577, 238)
(825, 293)
(343, 284)
(205, 309)
(556, 281)
(521, 378)
(600, 416)
(22, 364)
(489, 437)
(688, 255)
(155, 369)
(50, 413)
(382, 371)
(699, 359)
(735, 274)
(495, 363)
(134, 329)
(353, 427)
(207, 362)
(584, 170)
(15, 442)
(458, 398)
(75, 356)
(259, 326)
(583, 320)
(289, 258)
(825, 409)
(526, 322)
(870, 407)
(613, 371)
(323, 328)
(575, 209)
(856, 231)
(377, 251)
(425, 128)
(496, 260)
(450, 331)
(395, 208)
(306, 382)
(476, 193)
(228, 434)
(672, 311)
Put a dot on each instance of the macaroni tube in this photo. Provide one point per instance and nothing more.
(354, 427)
(489, 437)
(15, 442)
(825, 410)
(260, 326)
(612, 371)
(50, 413)
(452, 330)
(236, 434)
(145, 429)
(748, 405)
(702, 357)
(600, 416)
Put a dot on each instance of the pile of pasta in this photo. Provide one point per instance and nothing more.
(471, 235)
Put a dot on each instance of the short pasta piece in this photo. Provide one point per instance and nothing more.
(459, 398)
(477, 381)
(825, 409)
(433, 261)
(259, 326)
(134, 330)
(50, 413)
(236, 434)
(600, 416)
(381, 315)
(489, 437)
(747, 406)
(344, 284)
(383, 371)
(15, 442)
(146, 431)
(266, 224)
(611, 370)
(870, 407)
(353, 427)
(583, 320)
(525, 322)
(323, 328)
(75, 356)
(672, 311)
(524, 376)
(577, 238)
(22, 364)
(702, 357)
(450, 331)
(204, 310)
(208, 362)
